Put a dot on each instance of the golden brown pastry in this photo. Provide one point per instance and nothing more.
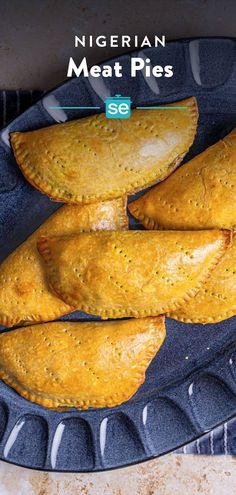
(132, 273)
(89, 364)
(95, 159)
(216, 300)
(199, 195)
(24, 293)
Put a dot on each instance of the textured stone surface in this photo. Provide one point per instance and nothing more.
(172, 474)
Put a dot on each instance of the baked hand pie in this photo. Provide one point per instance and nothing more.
(132, 273)
(86, 364)
(199, 195)
(216, 300)
(95, 159)
(24, 292)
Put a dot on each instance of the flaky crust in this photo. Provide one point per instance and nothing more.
(216, 300)
(199, 195)
(133, 273)
(95, 159)
(89, 364)
(24, 292)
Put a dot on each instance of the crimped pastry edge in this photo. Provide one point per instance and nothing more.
(45, 252)
(203, 321)
(152, 179)
(8, 321)
(111, 401)
(150, 224)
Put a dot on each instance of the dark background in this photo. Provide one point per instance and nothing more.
(37, 36)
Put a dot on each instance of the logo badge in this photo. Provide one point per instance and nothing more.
(118, 107)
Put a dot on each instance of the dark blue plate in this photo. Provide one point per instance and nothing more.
(191, 384)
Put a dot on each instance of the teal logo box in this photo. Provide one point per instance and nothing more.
(118, 107)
